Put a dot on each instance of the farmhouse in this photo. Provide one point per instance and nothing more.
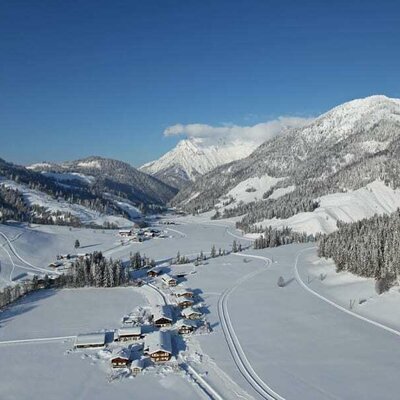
(125, 232)
(158, 346)
(127, 334)
(191, 313)
(89, 340)
(168, 280)
(153, 272)
(184, 302)
(162, 316)
(183, 293)
(121, 359)
(186, 326)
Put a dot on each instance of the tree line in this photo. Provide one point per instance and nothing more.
(369, 247)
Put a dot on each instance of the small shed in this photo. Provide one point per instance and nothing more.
(186, 326)
(191, 313)
(169, 280)
(162, 316)
(90, 340)
(56, 264)
(137, 366)
(158, 346)
(129, 333)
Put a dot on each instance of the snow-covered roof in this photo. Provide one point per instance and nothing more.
(124, 353)
(186, 322)
(183, 299)
(88, 339)
(162, 312)
(157, 269)
(167, 278)
(158, 341)
(138, 363)
(189, 311)
(129, 330)
(182, 292)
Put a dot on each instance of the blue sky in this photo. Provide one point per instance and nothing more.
(80, 78)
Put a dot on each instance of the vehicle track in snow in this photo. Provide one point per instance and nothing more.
(236, 350)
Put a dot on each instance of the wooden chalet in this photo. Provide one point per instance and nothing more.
(184, 302)
(90, 340)
(153, 272)
(169, 280)
(120, 360)
(186, 326)
(158, 346)
(127, 334)
(191, 313)
(162, 316)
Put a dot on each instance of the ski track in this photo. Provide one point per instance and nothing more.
(332, 303)
(236, 350)
(10, 245)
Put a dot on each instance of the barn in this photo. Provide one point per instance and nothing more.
(162, 316)
(158, 346)
(90, 340)
(129, 333)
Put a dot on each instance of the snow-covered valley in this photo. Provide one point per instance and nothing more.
(264, 339)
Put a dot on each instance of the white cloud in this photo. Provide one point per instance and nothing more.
(257, 133)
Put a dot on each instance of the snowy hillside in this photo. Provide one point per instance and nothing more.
(61, 209)
(193, 157)
(111, 176)
(375, 198)
(343, 150)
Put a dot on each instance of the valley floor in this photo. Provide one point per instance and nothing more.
(266, 341)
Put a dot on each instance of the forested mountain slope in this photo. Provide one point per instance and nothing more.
(342, 150)
(111, 176)
(91, 191)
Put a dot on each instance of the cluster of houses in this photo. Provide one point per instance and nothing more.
(141, 234)
(141, 349)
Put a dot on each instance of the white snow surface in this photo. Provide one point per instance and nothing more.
(375, 198)
(252, 189)
(297, 344)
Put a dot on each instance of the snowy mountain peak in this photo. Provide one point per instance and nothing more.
(193, 157)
